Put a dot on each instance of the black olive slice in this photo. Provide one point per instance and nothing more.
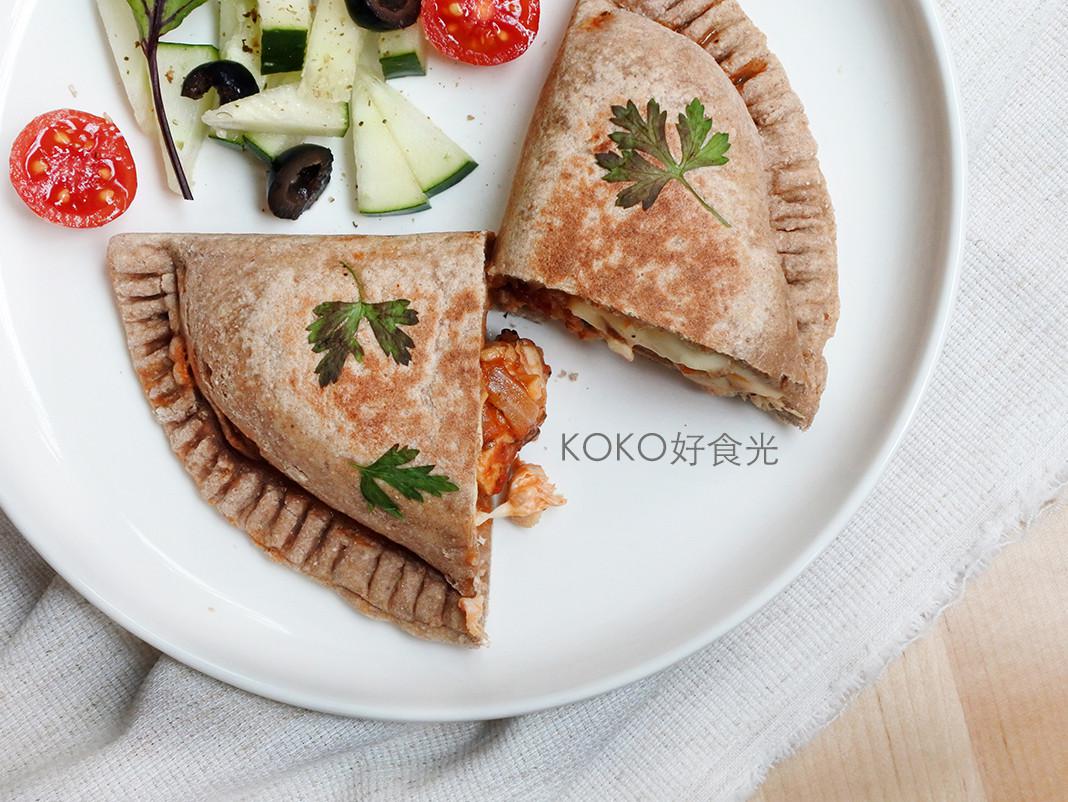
(232, 80)
(298, 179)
(384, 15)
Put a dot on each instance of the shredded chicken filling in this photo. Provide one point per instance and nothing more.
(530, 493)
(514, 392)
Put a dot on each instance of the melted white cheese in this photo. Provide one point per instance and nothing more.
(719, 372)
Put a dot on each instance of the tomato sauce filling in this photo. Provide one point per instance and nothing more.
(514, 391)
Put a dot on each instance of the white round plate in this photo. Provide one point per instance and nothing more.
(650, 560)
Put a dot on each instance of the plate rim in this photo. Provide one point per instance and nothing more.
(22, 513)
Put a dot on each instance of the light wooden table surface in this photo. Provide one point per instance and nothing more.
(975, 710)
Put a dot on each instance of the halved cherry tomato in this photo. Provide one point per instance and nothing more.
(483, 32)
(74, 169)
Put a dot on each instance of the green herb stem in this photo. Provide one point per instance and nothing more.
(150, 49)
(359, 282)
(703, 202)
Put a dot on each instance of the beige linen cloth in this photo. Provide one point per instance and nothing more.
(89, 712)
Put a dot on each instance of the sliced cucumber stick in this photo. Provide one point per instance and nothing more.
(436, 161)
(283, 34)
(281, 110)
(239, 34)
(184, 114)
(368, 60)
(402, 53)
(334, 46)
(269, 147)
(230, 139)
(281, 79)
(239, 40)
(122, 35)
(384, 182)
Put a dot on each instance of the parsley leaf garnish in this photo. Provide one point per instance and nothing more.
(409, 482)
(648, 135)
(337, 324)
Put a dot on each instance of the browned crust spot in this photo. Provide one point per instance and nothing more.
(381, 580)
